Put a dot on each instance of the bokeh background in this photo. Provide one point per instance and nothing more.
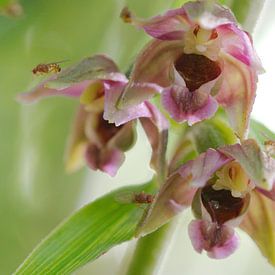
(35, 192)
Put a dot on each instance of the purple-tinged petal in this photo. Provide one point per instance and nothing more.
(175, 196)
(90, 68)
(155, 128)
(237, 93)
(259, 224)
(177, 193)
(155, 63)
(169, 26)
(112, 161)
(108, 161)
(138, 93)
(73, 80)
(121, 116)
(219, 241)
(203, 167)
(41, 91)
(208, 15)
(259, 167)
(192, 107)
(238, 43)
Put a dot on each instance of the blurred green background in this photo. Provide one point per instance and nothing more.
(35, 192)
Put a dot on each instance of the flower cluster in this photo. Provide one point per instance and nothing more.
(198, 59)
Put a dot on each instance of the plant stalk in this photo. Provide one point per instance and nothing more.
(150, 250)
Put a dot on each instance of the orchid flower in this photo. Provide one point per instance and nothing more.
(218, 184)
(202, 59)
(97, 83)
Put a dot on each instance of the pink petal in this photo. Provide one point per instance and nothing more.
(41, 91)
(111, 161)
(237, 93)
(188, 106)
(155, 128)
(155, 63)
(121, 116)
(178, 192)
(108, 161)
(203, 167)
(175, 196)
(208, 16)
(74, 79)
(169, 26)
(219, 242)
(237, 43)
(138, 93)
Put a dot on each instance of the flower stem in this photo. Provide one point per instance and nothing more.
(150, 250)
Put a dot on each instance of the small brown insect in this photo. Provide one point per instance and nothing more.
(126, 15)
(132, 197)
(143, 198)
(47, 68)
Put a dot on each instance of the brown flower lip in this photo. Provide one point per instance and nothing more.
(196, 70)
(221, 205)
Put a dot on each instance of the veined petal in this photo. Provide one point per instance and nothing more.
(238, 44)
(219, 241)
(138, 93)
(208, 15)
(165, 207)
(107, 161)
(120, 116)
(203, 167)
(73, 80)
(237, 93)
(259, 224)
(90, 68)
(169, 26)
(184, 105)
(155, 128)
(41, 91)
(177, 193)
(155, 63)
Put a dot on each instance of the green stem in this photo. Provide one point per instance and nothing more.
(150, 250)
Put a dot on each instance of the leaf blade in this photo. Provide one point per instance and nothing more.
(86, 235)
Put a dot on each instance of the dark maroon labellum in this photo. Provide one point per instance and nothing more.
(196, 70)
(221, 205)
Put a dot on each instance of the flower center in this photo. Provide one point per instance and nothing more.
(221, 205)
(196, 70)
(233, 178)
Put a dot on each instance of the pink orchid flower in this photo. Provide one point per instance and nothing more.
(202, 58)
(219, 184)
(97, 83)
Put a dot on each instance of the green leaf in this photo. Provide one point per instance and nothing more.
(211, 134)
(87, 234)
(259, 223)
